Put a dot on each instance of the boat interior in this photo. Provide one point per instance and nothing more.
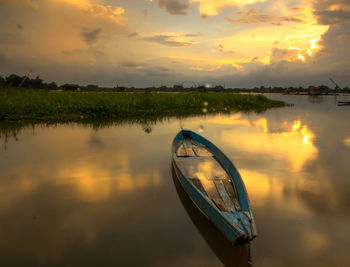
(201, 167)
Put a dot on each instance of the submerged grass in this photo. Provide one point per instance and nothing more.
(75, 106)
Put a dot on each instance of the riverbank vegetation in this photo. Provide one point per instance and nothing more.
(18, 81)
(26, 104)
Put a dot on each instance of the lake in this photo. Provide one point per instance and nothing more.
(78, 195)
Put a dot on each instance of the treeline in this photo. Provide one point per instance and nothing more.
(16, 81)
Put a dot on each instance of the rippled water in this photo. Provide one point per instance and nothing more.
(73, 195)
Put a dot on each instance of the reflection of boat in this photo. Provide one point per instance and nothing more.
(214, 185)
(228, 254)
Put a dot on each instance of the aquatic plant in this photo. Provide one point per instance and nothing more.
(66, 106)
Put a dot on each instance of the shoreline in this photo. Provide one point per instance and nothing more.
(35, 105)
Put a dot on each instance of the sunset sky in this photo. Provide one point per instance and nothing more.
(236, 43)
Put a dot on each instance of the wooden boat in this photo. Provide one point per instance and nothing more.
(237, 256)
(214, 185)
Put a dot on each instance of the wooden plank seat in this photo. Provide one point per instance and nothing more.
(211, 179)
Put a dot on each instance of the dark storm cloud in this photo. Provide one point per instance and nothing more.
(335, 12)
(167, 40)
(329, 17)
(336, 41)
(254, 16)
(19, 26)
(90, 36)
(174, 7)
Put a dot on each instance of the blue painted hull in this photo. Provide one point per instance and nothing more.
(238, 227)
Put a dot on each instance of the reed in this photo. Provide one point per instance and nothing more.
(63, 106)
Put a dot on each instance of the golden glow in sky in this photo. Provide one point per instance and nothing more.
(163, 40)
(212, 8)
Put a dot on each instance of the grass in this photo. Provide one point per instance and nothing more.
(19, 105)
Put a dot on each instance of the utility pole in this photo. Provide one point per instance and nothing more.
(24, 78)
(336, 85)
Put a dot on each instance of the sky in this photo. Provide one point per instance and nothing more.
(234, 43)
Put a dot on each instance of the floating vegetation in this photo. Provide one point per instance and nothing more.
(76, 106)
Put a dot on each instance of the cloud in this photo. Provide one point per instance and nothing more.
(335, 55)
(90, 36)
(133, 34)
(335, 12)
(131, 64)
(63, 40)
(282, 54)
(174, 7)
(254, 16)
(73, 52)
(56, 30)
(220, 47)
(212, 8)
(192, 34)
(168, 40)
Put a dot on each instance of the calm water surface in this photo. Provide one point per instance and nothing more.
(71, 195)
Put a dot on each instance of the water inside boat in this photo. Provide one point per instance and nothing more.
(200, 166)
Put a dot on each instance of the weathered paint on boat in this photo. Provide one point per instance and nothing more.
(238, 226)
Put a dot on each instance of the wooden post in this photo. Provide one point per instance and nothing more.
(25, 77)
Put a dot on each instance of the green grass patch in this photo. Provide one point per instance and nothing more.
(76, 106)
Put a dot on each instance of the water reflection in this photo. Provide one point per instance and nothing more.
(102, 194)
(228, 254)
(290, 141)
(347, 141)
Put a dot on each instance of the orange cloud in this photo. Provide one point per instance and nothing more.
(212, 7)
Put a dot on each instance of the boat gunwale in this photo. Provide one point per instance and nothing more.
(230, 169)
(238, 232)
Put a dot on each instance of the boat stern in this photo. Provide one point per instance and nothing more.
(244, 222)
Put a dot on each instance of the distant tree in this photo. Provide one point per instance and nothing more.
(178, 87)
(202, 88)
(36, 83)
(13, 80)
(70, 87)
(2, 81)
(52, 85)
(92, 87)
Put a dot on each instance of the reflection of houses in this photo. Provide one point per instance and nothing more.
(72, 87)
